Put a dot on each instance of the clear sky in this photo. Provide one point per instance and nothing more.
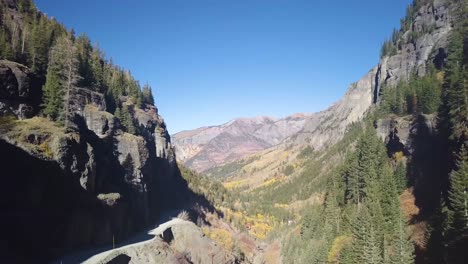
(210, 61)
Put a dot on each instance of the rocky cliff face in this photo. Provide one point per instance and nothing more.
(207, 147)
(72, 188)
(19, 92)
(413, 56)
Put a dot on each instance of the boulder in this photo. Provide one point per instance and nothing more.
(16, 83)
(102, 123)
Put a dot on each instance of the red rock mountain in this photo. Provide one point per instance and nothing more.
(207, 147)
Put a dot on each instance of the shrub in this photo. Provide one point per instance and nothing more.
(288, 170)
(46, 150)
(184, 215)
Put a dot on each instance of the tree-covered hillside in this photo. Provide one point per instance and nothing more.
(361, 219)
(62, 61)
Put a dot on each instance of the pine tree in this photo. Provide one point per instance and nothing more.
(429, 92)
(127, 120)
(389, 200)
(6, 51)
(332, 214)
(372, 252)
(363, 166)
(118, 113)
(53, 94)
(147, 95)
(458, 196)
(366, 247)
(83, 51)
(403, 249)
(41, 38)
(97, 68)
(400, 177)
(455, 89)
(63, 71)
(353, 179)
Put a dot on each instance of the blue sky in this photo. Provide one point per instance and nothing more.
(210, 61)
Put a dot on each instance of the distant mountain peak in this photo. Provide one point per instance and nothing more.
(206, 147)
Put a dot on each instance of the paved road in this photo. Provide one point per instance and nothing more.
(154, 232)
(89, 256)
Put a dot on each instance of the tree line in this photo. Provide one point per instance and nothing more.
(64, 61)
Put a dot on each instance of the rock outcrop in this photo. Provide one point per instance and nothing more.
(400, 133)
(18, 90)
(178, 241)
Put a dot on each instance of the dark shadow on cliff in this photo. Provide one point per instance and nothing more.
(165, 194)
(48, 213)
(427, 175)
(37, 202)
(426, 172)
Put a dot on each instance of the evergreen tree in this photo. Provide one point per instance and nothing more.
(389, 200)
(458, 196)
(53, 93)
(147, 95)
(366, 247)
(353, 179)
(455, 88)
(400, 177)
(41, 38)
(118, 113)
(332, 214)
(363, 166)
(429, 92)
(437, 234)
(84, 49)
(6, 51)
(127, 120)
(96, 64)
(63, 71)
(403, 249)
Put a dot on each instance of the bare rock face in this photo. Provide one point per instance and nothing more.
(15, 90)
(330, 125)
(102, 123)
(133, 156)
(80, 97)
(155, 131)
(399, 133)
(76, 158)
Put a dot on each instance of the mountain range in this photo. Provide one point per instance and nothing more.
(207, 147)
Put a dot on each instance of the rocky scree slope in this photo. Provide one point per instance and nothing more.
(66, 189)
(206, 147)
